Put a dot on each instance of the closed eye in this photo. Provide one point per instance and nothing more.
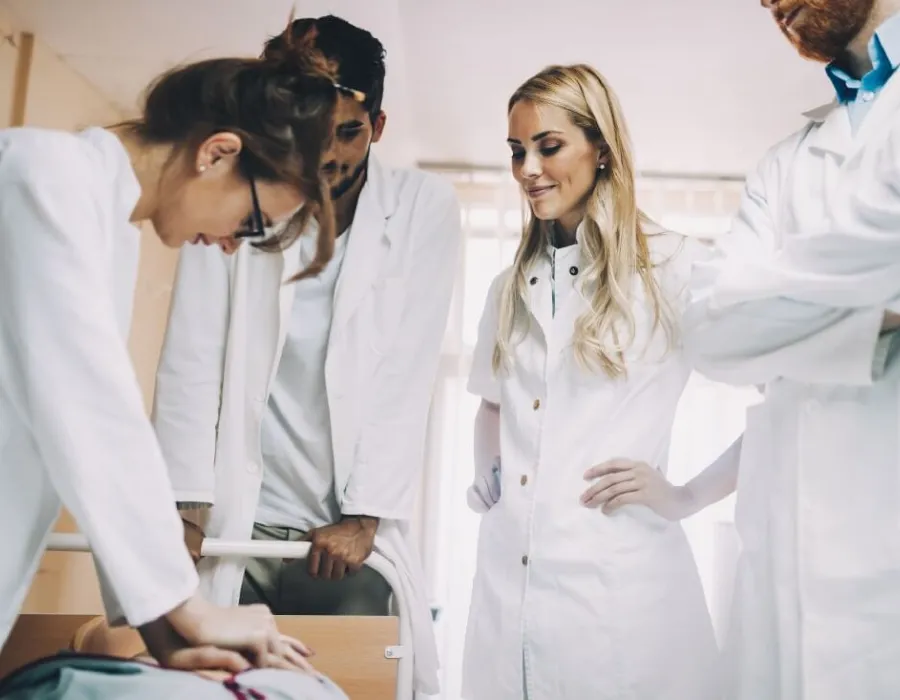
(348, 134)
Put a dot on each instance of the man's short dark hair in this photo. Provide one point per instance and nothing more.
(359, 55)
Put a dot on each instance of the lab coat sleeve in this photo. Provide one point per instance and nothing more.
(736, 335)
(189, 377)
(386, 473)
(483, 380)
(717, 481)
(73, 384)
(485, 489)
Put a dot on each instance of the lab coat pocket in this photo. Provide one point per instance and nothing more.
(386, 308)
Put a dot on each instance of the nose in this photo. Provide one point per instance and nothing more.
(329, 157)
(531, 166)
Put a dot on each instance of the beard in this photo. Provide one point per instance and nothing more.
(344, 186)
(825, 28)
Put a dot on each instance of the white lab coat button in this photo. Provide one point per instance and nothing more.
(867, 96)
(253, 468)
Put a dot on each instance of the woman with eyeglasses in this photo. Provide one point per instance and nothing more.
(223, 148)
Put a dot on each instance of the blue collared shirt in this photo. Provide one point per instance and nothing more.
(858, 94)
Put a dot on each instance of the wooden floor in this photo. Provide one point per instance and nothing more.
(349, 650)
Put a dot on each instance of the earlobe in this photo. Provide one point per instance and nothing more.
(217, 147)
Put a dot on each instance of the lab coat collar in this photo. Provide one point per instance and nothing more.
(579, 236)
(366, 239)
(378, 200)
(818, 114)
(832, 132)
(648, 226)
(385, 197)
(123, 180)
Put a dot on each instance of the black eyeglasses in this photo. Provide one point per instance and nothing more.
(256, 227)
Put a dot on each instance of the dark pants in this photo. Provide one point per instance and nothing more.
(288, 589)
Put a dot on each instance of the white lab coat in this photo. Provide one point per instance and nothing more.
(227, 327)
(794, 300)
(73, 429)
(569, 603)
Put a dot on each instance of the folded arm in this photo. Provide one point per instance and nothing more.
(748, 321)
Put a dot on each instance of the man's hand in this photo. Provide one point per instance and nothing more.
(193, 538)
(341, 548)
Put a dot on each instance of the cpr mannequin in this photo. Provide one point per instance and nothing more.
(104, 663)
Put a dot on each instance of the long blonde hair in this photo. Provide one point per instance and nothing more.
(612, 236)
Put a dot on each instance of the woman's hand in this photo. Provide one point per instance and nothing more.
(247, 629)
(620, 482)
(484, 492)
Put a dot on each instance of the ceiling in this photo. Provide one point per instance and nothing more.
(707, 85)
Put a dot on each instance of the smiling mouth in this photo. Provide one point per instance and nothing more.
(536, 192)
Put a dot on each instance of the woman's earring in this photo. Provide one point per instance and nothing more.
(602, 166)
(202, 168)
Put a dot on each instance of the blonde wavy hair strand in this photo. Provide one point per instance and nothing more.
(613, 236)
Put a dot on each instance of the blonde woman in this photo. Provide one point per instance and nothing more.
(586, 586)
